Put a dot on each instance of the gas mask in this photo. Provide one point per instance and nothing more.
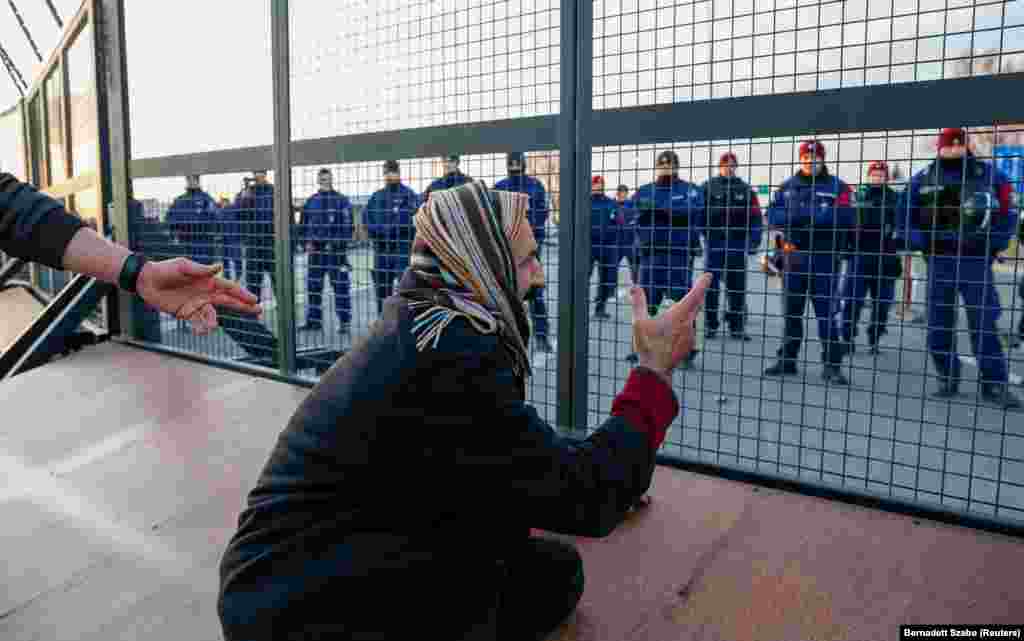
(876, 178)
(392, 179)
(192, 183)
(664, 172)
(325, 181)
(451, 166)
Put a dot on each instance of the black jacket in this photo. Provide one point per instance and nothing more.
(33, 226)
(400, 460)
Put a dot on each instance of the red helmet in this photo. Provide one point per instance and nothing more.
(812, 147)
(727, 157)
(597, 180)
(951, 136)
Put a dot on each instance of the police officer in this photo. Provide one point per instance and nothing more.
(604, 244)
(874, 263)
(193, 220)
(669, 214)
(453, 176)
(815, 212)
(389, 224)
(733, 231)
(254, 212)
(624, 218)
(231, 238)
(961, 212)
(519, 181)
(325, 226)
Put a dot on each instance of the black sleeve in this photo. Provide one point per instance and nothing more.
(33, 226)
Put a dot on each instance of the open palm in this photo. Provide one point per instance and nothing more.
(189, 291)
(662, 342)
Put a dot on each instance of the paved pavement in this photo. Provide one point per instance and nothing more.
(882, 435)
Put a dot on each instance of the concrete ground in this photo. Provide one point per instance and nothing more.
(122, 473)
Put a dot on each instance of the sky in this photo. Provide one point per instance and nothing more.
(200, 77)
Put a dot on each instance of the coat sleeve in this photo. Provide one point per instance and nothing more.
(1004, 223)
(777, 210)
(372, 218)
(756, 222)
(33, 226)
(585, 488)
(908, 233)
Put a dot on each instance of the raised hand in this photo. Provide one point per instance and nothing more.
(662, 342)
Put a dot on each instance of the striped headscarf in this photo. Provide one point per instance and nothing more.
(463, 254)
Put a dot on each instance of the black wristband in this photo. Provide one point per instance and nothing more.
(130, 271)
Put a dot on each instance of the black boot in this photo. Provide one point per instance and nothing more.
(601, 313)
(948, 387)
(739, 334)
(782, 367)
(542, 345)
(833, 375)
(688, 361)
(632, 358)
(1000, 395)
(710, 333)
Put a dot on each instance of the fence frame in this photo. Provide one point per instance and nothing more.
(575, 132)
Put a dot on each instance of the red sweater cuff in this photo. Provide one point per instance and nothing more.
(648, 403)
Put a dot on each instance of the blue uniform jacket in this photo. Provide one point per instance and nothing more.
(980, 187)
(534, 188)
(814, 212)
(254, 212)
(669, 217)
(326, 218)
(734, 214)
(389, 216)
(193, 218)
(604, 231)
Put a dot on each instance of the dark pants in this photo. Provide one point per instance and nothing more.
(1020, 296)
(813, 276)
(605, 258)
(628, 250)
(665, 275)
(387, 266)
(524, 599)
(323, 262)
(538, 306)
(866, 276)
(733, 262)
(233, 261)
(261, 259)
(972, 278)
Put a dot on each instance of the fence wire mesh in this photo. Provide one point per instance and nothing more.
(845, 398)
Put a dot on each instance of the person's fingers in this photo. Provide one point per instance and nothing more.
(235, 290)
(639, 298)
(687, 308)
(230, 302)
(193, 269)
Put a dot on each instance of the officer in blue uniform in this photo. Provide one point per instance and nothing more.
(733, 232)
(453, 176)
(669, 215)
(814, 210)
(961, 212)
(874, 263)
(254, 211)
(389, 224)
(519, 181)
(193, 220)
(625, 219)
(604, 244)
(231, 238)
(325, 226)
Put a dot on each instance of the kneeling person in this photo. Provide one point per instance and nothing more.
(333, 539)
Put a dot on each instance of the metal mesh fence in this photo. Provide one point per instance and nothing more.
(826, 336)
(891, 319)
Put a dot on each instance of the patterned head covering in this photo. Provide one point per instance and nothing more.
(466, 240)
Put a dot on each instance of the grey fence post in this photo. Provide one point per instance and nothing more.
(574, 230)
(284, 266)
